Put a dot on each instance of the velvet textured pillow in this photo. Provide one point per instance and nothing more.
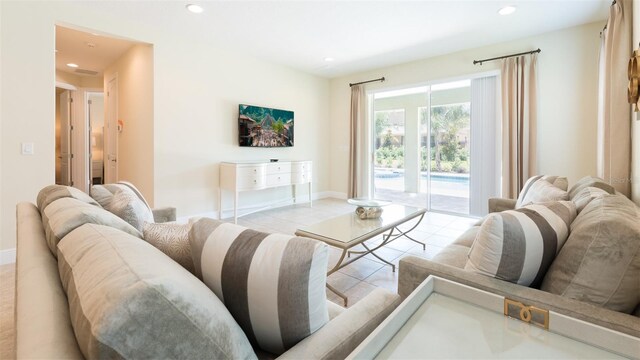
(51, 193)
(273, 284)
(172, 239)
(590, 181)
(66, 214)
(519, 245)
(584, 196)
(600, 262)
(129, 301)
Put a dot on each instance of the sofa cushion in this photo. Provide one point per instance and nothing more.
(541, 191)
(585, 195)
(125, 202)
(469, 236)
(273, 284)
(600, 262)
(519, 245)
(52, 193)
(172, 239)
(66, 214)
(128, 300)
(590, 181)
(453, 255)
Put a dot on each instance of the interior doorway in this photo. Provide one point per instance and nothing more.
(84, 148)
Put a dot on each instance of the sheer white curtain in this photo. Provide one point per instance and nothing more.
(485, 145)
(359, 145)
(519, 122)
(614, 112)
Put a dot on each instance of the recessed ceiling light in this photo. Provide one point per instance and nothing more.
(196, 9)
(72, 65)
(507, 10)
(329, 59)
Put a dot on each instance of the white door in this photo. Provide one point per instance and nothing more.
(65, 138)
(111, 132)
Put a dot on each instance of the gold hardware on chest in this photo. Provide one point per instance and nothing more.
(527, 313)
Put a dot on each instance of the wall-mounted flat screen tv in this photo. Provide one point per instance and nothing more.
(265, 127)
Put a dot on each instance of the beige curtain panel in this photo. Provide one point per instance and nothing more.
(519, 119)
(359, 162)
(614, 112)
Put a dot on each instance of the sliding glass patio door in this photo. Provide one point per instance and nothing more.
(424, 152)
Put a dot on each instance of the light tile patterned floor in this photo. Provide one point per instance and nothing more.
(358, 279)
(355, 280)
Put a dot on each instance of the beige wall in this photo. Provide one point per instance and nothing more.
(134, 70)
(635, 156)
(567, 96)
(197, 89)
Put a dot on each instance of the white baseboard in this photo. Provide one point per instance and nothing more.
(7, 256)
(226, 213)
(331, 194)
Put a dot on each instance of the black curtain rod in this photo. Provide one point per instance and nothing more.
(368, 81)
(506, 56)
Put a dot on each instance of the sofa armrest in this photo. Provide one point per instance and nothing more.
(501, 204)
(340, 336)
(42, 322)
(164, 214)
(413, 270)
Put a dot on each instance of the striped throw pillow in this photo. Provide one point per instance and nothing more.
(519, 245)
(543, 188)
(272, 284)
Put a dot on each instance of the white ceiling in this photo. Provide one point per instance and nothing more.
(359, 35)
(72, 46)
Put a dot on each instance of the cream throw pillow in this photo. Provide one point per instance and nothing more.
(172, 239)
(542, 191)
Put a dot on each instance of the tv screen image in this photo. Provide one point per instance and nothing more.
(265, 127)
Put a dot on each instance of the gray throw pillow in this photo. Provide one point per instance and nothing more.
(590, 181)
(273, 284)
(52, 193)
(66, 214)
(123, 201)
(600, 261)
(519, 245)
(585, 195)
(172, 239)
(127, 300)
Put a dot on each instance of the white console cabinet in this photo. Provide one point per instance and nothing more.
(258, 175)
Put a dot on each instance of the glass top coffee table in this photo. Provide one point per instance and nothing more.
(347, 231)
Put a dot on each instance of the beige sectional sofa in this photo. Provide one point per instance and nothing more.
(594, 277)
(59, 316)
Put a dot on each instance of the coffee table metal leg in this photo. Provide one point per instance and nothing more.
(393, 266)
(340, 294)
(334, 269)
(404, 233)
